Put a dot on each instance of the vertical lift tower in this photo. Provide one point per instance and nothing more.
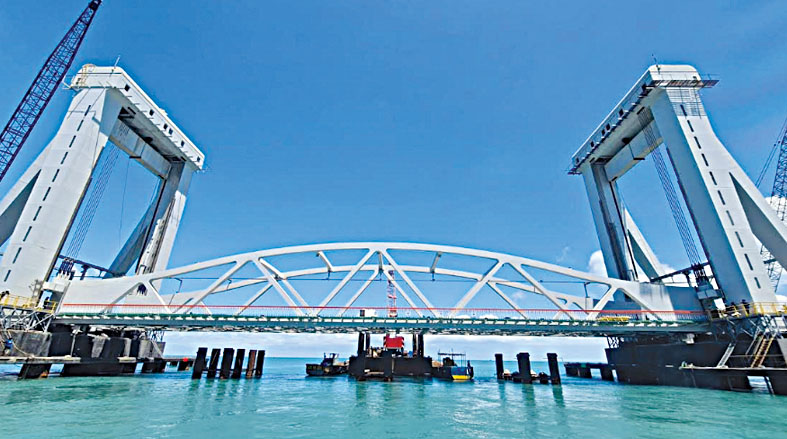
(39, 210)
(729, 214)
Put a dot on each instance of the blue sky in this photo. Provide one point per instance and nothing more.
(444, 121)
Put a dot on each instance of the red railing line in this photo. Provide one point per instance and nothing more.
(359, 308)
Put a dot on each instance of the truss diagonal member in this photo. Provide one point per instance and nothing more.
(505, 297)
(254, 298)
(409, 282)
(279, 289)
(344, 281)
(358, 293)
(153, 290)
(406, 297)
(568, 298)
(602, 303)
(325, 260)
(540, 288)
(151, 293)
(217, 283)
(284, 281)
(476, 288)
(204, 307)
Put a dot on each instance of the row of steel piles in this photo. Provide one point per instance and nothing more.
(523, 364)
(256, 359)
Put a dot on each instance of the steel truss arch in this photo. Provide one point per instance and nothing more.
(377, 260)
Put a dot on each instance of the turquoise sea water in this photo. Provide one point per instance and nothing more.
(286, 404)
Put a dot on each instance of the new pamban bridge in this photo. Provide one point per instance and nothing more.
(718, 324)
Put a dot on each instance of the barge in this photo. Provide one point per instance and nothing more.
(329, 366)
(389, 360)
(454, 367)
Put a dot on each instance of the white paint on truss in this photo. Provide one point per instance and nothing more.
(121, 289)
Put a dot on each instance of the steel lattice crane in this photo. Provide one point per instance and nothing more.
(778, 199)
(40, 92)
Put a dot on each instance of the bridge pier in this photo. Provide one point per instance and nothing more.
(606, 373)
(554, 370)
(199, 363)
(250, 364)
(238, 369)
(226, 363)
(523, 361)
(260, 363)
(213, 366)
(499, 369)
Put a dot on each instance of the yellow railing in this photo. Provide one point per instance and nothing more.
(20, 302)
(750, 310)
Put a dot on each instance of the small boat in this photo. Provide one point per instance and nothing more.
(455, 367)
(329, 366)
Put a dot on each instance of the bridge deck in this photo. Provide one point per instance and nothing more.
(342, 324)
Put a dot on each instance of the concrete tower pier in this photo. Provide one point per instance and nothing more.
(730, 216)
(37, 214)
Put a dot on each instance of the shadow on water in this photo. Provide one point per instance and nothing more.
(557, 394)
(501, 390)
(70, 389)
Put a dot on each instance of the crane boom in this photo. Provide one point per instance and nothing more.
(40, 92)
(778, 199)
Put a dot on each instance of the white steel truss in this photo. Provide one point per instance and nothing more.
(654, 300)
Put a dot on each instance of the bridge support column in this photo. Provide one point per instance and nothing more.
(214, 363)
(239, 357)
(523, 361)
(499, 366)
(250, 364)
(260, 362)
(554, 370)
(199, 363)
(226, 363)
(606, 373)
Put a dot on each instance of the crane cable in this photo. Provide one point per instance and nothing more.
(686, 237)
(94, 199)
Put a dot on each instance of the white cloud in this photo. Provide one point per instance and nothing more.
(596, 264)
(563, 256)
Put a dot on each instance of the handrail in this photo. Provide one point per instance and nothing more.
(21, 302)
(754, 309)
